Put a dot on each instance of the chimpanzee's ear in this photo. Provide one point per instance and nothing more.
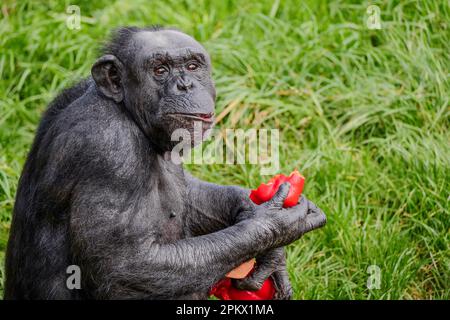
(107, 72)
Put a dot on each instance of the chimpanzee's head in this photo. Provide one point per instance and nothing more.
(162, 77)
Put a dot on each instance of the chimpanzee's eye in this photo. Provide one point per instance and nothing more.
(192, 66)
(159, 71)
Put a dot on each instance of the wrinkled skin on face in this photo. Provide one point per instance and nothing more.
(166, 84)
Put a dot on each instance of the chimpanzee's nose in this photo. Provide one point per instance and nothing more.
(184, 84)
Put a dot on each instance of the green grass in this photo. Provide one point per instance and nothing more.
(363, 115)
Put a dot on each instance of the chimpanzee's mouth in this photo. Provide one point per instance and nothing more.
(205, 117)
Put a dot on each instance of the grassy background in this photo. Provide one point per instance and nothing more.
(363, 115)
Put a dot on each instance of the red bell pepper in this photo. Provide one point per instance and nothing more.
(265, 192)
(224, 289)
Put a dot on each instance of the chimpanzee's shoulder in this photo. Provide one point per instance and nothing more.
(90, 126)
(94, 117)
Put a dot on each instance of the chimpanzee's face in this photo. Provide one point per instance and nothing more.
(168, 85)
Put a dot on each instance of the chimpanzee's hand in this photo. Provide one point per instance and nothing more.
(304, 217)
(283, 225)
(270, 264)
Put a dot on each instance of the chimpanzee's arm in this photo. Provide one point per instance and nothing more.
(214, 207)
(123, 258)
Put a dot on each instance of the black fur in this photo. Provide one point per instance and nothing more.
(99, 191)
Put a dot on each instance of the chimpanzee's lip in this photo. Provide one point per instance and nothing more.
(205, 117)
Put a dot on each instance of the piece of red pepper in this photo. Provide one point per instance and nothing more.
(224, 289)
(266, 191)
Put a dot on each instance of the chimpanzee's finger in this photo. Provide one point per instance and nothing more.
(299, 211)
(282, 284)
(312, 208)
(279, 197)
(265, 266)
(315, 220)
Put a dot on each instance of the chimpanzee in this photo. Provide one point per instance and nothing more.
(99, 190)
